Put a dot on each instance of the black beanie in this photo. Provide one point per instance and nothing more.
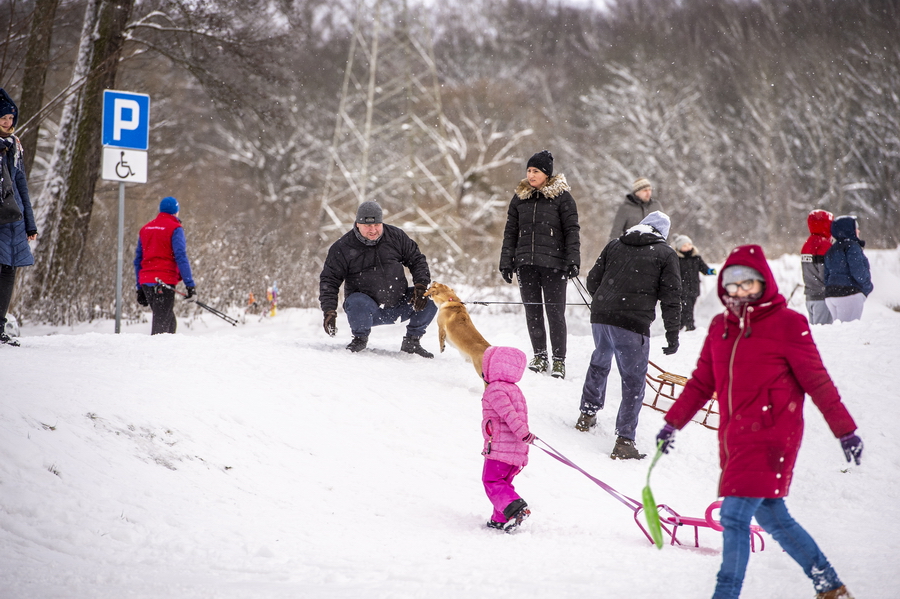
(7, 106)
(542, 161)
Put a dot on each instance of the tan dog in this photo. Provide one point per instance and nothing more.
(455, 326)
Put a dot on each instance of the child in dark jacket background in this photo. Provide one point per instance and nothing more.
(692, 266)
(848, 280)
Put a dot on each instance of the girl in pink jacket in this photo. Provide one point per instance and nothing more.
(504, 426)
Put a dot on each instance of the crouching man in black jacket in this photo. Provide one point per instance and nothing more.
(369, 261)
(632, 273)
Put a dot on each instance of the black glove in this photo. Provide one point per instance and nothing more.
(529, 438)
(672, 338)
(572, 271)
(507, 274)
(141, 298)
(330, 323)
(852, 446)
(191, 292)
(418, 300)
(665, 438)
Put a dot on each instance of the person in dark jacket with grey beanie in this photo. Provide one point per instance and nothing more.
(369, 261)
(632, 273)
(542, 245)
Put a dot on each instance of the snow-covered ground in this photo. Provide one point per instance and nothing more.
(265, 461)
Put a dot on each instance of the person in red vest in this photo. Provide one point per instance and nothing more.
(162, 254)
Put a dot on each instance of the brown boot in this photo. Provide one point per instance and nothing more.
(839, 593)
(625, 450)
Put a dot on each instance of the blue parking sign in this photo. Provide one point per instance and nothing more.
(126, 120)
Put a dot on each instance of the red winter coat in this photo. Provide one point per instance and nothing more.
(760, 364)
(158, 256)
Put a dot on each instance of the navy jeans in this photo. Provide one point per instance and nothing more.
(632, 353)
(363, 314)
(735, 515)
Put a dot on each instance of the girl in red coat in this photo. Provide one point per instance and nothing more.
(760, 360)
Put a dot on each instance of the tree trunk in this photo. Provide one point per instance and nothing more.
(65, 204)
(37, 63)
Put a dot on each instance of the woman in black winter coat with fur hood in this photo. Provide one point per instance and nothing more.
(541, 244)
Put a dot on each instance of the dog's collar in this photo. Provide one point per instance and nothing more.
(455, 299)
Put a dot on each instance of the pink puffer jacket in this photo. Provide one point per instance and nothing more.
(505, 415)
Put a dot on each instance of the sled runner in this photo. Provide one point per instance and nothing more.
(663, 385)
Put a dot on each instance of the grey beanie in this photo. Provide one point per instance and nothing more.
(369, 213)
(680, 240)
(737, 273)
(659, 221)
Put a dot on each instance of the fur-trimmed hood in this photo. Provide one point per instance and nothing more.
(554, 186)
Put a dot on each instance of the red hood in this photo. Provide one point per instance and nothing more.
(819, 223)
(752, 256)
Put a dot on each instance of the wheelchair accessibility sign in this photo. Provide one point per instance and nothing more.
(129, 166)
(126, 136)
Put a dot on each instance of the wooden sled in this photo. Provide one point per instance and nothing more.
(663, 385)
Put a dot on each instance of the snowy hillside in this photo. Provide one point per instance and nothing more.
(265, 461)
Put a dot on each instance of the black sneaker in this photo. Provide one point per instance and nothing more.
(7, 340)
(411, 345)
(517, 512)
(358, 344)
(585, 422)
(559, 368)
(539, 363)
(625, 450)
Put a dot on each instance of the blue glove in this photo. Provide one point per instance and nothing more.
(666, 437)
(711, 271)
(852, 446)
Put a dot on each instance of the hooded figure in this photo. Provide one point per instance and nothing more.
(848, 280)
(760, 360)
(812, 260)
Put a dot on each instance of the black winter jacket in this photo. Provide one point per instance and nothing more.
(691, 266)
(375, 270)
(542, 227)
(632, 273)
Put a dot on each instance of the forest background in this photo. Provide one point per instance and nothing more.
(272, 119)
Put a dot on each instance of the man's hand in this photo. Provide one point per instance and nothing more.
(507, 274)
(191, 292)
(419, 301)
(672, 338)
(141, 297)
(330, 323)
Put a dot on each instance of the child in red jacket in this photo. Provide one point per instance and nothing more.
(759, 357)
(812, 261)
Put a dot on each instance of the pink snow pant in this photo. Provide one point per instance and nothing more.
(497, 478)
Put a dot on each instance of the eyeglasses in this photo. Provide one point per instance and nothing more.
(745, 285)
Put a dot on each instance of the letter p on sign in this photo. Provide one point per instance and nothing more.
(126, 120)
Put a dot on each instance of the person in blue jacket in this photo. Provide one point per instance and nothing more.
(15, 235)
(848, 280)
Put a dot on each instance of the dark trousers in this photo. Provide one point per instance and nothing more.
(7, 282)
(687, 311)
(363, 313)
(162, 303)
(544, 289)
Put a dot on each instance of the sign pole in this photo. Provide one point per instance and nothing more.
(120, 256)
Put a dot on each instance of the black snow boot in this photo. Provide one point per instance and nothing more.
(358, 344)
(625, 450)
(411, 345)
(515, 512)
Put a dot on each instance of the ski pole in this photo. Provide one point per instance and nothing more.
(221, 315)
(579, 286)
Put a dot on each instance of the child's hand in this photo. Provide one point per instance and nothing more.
(529, 438)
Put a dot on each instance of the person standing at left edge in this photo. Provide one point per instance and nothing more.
(542, 245)
(162, 254)
(369, 262)
(14, 235)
